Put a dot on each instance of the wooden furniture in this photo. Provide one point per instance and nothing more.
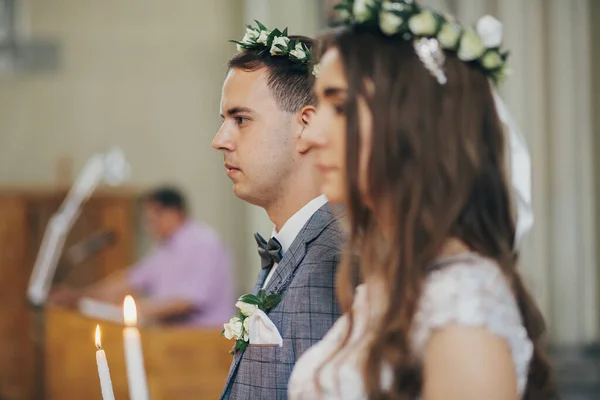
(181, 363)
(24, 214)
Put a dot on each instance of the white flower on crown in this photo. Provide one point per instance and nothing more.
(490, 31)
(279, 40)
(250, 36)
(423, 24)
(449, 35)
(491, 60)
(389, 23)
(316, 70)
(263, 37)
(362, 9)
(246, 309)
(298, 52)
(389, 5)
(239, 48)
(233, 329)
(471, 46)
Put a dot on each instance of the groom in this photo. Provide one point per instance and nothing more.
(268, 108)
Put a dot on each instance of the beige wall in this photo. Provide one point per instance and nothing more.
(144, 75)
(595, 67)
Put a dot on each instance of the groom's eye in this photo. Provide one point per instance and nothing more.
(240, 120)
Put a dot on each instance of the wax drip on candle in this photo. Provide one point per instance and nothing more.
(129, 311)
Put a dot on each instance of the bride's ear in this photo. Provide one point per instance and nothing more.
(305, 120)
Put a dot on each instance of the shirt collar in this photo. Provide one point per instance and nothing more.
(292, 226)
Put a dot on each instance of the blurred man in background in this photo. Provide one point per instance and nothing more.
(187, 279)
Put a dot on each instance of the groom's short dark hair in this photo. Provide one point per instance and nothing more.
(290, 82)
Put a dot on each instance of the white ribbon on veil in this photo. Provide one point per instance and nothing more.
(520, 171)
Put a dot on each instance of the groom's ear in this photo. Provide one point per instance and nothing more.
(305, 121)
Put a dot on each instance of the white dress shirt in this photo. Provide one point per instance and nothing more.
(292, 227)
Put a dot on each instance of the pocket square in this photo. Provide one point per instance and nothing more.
(262, 331)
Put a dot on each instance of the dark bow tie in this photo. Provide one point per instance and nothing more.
(269, 252)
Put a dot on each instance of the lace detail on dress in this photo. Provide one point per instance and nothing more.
(468, 290)
(473, 293)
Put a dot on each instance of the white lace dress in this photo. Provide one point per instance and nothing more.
(467, 290)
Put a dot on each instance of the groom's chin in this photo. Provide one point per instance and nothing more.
(242, 192)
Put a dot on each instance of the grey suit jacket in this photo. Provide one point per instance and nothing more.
(305, 277)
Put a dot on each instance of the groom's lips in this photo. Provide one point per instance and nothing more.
(231, 169)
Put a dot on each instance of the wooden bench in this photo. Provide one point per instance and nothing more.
(181, 363)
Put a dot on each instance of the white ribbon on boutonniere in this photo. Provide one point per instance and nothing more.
(263, 331)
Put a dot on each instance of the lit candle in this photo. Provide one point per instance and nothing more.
(103, 372)
(134, 359)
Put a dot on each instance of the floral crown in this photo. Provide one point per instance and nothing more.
(432, 33)
(276, 42)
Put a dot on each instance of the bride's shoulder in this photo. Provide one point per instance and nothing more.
(468, 290)
(471, 291)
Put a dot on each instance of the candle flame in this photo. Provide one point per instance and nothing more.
(129, 311)
(98, 342)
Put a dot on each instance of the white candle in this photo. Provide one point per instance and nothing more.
(134, 358)
(103, 372)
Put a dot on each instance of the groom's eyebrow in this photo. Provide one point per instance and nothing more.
(236, 110)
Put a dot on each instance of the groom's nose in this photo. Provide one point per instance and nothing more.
(222, 140)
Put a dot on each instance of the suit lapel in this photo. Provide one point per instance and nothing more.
(286, 269)
(293, 257)
(260, 281)
(262, 275)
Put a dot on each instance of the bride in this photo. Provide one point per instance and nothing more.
(412, 145)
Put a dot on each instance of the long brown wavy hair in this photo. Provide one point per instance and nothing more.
(436, 171)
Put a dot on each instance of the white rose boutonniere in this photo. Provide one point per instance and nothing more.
(298, 52)
(490, 31)
(389, 23)
(471, 47)
(362, 9)
(449, 35)
(233, 329)
(246, 325)
(279, 42)
(423, 24)
(246, 309)
(238, 327)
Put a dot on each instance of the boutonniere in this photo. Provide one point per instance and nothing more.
(238, 327)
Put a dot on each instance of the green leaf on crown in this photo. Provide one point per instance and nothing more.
(261, 26)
